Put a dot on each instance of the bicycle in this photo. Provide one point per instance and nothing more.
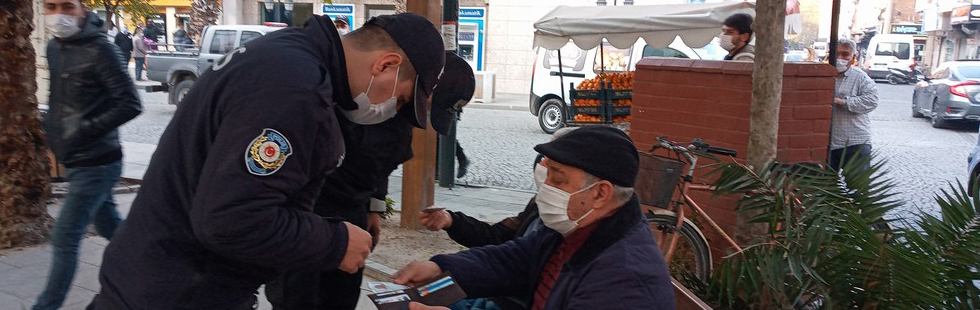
(659, 176)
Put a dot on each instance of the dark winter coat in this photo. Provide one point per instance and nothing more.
(91, 96)
(226, 202)
(125, 43)
(471, 232)
(618, 267)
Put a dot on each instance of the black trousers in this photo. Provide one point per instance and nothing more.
(306, 290)
(859, 152)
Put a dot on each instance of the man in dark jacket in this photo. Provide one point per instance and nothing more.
(356, 191)
(226, 201)
(597, 253)
(91, 96)
(125, 43)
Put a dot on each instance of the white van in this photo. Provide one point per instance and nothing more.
(579, 65)
(888, 51)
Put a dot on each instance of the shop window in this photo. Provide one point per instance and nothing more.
(378, 10)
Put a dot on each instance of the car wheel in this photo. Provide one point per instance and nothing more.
(915, 109)
(178, 92)
(551, 117)
(935, 118)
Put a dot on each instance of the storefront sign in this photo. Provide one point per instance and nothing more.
(965, 14)
(907, 29)
(472, 12)
(334, 10)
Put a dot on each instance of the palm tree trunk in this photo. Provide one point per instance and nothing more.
(203, 13)
(24, 219)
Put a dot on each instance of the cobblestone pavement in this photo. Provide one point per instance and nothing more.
(498, 143)
(920, 159)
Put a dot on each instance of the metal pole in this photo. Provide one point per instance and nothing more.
(561, 77)
(447, 143)
(832, 59)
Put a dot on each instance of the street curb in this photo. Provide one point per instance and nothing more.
(485, 106)
(378, 271)
(133, 186)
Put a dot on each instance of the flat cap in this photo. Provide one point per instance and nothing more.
(605, 152)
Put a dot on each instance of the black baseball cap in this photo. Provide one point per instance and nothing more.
(455, 89)
(342, 18)
(421, 42)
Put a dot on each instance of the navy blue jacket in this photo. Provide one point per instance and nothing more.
(226, 202)
(618, 267)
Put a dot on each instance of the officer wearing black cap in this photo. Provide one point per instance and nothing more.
(597, 251)
(226, 202)
(357, 190)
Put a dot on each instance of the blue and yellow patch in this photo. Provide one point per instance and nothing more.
(267, 153)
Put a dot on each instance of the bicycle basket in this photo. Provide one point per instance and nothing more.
(657, 178)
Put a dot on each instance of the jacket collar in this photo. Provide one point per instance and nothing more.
(611, 230)
(325, 39)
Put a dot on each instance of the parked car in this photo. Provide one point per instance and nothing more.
(177, 71)
(888, 51)
(950, 93)
(579, 65)
(972, 168)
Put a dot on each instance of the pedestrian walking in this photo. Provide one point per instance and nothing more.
(226, 202)
(855, 95)
(124, 41)
(140, 49)
(736, 33)
(91, 96)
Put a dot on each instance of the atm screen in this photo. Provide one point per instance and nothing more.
(467, 36)
(466, 52)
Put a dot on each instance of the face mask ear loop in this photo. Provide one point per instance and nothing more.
(393, 89)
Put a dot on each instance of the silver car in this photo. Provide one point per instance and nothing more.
(951, 93)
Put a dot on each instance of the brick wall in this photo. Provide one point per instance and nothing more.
(685, 99)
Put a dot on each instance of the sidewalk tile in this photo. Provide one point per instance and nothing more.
(27, 257)
(86, 278)
(11, 302)
(25, 283)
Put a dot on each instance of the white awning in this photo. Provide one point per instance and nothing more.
(621, 26)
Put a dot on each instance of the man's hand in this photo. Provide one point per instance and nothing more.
(417, 306)
(417, 273)
(374, 227)
(839, 102)
(435, 221)
(358, 248)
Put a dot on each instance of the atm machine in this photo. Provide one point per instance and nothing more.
(469, 46)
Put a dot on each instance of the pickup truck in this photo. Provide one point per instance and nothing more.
(177, 70)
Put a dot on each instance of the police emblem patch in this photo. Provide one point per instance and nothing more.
(267, 153)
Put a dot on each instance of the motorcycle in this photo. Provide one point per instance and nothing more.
(898, 76)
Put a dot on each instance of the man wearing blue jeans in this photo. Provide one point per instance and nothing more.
(91, 96)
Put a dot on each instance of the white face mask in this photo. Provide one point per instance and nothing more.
(726, 42)
(61, 26)
(553, 208)
(343, 31)
(842, 65)
(540, 174)
(368, 113)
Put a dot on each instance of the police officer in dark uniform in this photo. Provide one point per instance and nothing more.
(356, 191)
(226, 202)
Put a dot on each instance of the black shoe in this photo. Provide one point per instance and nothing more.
(463, 164)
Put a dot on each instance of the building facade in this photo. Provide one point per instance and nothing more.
(952, 31)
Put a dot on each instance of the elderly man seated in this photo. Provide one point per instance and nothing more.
(597, 253)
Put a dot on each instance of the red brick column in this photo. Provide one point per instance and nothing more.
(685, 99)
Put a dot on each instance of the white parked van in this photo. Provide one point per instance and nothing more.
(578, 65)
(889, 51)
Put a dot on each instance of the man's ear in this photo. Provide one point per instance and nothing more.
(388, 60)
(604, 193)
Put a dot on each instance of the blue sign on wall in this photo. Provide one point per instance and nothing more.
(472, 12)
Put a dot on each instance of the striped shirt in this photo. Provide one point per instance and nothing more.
(851, 123)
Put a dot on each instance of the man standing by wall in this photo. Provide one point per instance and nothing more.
(140, 48)
(855, 96)
(125, 43)
(736, 33)
(91, 96)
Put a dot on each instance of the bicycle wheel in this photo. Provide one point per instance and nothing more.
(691, 255)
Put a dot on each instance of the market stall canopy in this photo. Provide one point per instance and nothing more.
(621, 26)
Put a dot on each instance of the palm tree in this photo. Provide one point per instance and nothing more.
(24, 219)
(828, 247)
(203, 13)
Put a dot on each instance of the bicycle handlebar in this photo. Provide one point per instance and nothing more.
(697, 144)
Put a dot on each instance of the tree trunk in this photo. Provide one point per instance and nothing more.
(203, 13)
(24, 219)
(109, 10)
(767, 86)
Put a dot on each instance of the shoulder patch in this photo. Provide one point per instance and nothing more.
(267, 153)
